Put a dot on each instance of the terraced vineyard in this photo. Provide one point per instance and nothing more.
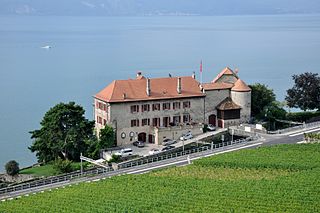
(282, 178)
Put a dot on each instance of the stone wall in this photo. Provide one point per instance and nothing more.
(213, 99)
(243, 99)
(175, 132)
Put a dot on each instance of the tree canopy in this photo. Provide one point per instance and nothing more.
(106, 137)
(64, 133)
(261, 96)
(305, 94)
(106, 140)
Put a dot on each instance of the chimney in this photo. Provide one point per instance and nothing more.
(148, 89)
(179, 86)
(139, 74)
(194, 75)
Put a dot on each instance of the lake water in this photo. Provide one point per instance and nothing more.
(89, 52)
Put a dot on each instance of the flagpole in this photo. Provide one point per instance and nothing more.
(201, 71)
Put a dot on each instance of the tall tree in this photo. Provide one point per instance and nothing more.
(261, 96)
(64, 133)
(305, 94)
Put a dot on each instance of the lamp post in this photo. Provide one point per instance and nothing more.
(81, 163)
(183, 145)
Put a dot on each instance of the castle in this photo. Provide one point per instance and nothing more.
(151, 110)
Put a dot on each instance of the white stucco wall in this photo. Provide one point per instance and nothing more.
(121, 116)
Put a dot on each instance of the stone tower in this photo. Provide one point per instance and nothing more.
(241, 95)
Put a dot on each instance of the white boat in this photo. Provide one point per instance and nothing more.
(46, 47)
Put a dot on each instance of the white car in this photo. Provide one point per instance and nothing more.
(167, 142)
(210, 127)
(154, 151)
(186, 136)
(124, 152)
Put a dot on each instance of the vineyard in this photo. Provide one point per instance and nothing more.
(284, 178)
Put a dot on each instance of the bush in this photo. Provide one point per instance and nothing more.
(302, 116)
(313, 137)
(115, 159)
(62, 166)
(12, 167)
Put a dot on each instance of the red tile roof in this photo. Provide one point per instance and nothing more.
(161, 88)
(240, 86)
(225, 71)
(216, 86)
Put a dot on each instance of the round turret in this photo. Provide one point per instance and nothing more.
(241, 95)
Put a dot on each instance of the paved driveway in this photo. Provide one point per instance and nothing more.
(148, 146)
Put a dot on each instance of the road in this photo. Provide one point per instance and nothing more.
(266, 140)
(290, 138)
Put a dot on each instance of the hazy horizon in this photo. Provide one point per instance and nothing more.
(157, 8)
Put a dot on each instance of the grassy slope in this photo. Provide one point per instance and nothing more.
(273, 179)
(47, 170)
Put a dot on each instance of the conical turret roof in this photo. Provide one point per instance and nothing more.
(240, 86)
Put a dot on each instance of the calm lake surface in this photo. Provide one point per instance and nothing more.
(89, 52)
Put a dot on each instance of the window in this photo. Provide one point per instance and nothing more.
(166, 121)
(176, 119)
(156, 122)
(101, 106)
(156, 107)
(99, 120)
(104, 122)
(134, 122)
(145, 122)
(166, 106)
(145, 108)
(176, 105)
(186, 118)
(229, 114)
(134, 108)
(186, 104)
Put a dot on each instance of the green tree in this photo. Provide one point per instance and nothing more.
(64, 133)
(305, 94)
(12, 168)
(261, 96)
(106, 140)
(106, 137)
(274, 112)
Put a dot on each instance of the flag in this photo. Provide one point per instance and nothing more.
(201, 66)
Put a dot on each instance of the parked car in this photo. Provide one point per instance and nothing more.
(168, 148)
(168, 141)
(154, 151)
(124, 152)
(210, 127)
(139, 144)
(186, 136)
